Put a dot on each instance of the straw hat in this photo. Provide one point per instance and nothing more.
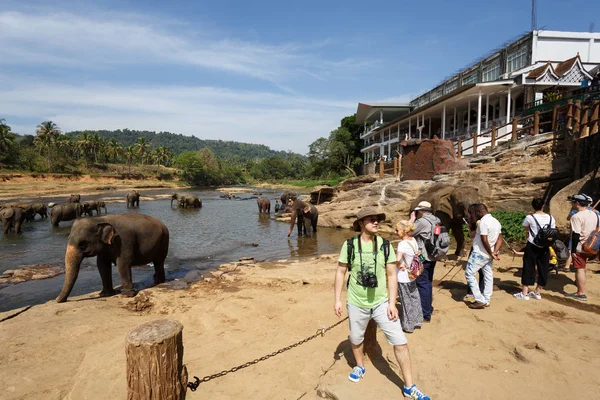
(366, 212)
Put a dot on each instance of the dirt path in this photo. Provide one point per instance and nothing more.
(513, 349)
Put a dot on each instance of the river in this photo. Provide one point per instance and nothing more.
(221, 231)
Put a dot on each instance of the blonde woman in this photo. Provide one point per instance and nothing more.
(411, 315)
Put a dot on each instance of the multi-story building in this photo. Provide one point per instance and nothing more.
(521, 74)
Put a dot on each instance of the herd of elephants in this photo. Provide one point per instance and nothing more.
(128, 239)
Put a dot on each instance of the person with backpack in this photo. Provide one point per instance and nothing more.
(425, 234)
(410, 266)
(372, 291)
(584, 226)
(486, 247)
(541, 235)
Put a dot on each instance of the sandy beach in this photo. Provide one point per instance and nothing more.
(514, 349)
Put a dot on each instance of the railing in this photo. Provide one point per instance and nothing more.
(581, 119)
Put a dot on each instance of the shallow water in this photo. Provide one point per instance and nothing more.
(200, 239)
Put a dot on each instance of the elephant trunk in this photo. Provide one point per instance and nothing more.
(73, 259)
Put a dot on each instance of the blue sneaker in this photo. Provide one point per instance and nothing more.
(356, 374)
(414, 393)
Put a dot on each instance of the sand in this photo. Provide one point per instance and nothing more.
(544, 349)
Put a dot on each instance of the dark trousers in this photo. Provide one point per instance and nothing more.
(535, 258)
(425, 286)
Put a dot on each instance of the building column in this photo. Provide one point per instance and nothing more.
(409, 132)
(478, 115)
(444, 122)
(487, 110)
(468, 116)
(454, 134)
(514, 107)
(381, 116)
(429, 127)
(508, 106)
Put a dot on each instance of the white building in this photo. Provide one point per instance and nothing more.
(538, 67)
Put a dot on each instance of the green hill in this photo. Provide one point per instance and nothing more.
(180, 143)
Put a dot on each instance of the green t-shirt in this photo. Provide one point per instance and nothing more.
(361, 296)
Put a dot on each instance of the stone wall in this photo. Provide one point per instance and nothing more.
(423, 159)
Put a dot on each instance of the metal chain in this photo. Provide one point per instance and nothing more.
(320, 332)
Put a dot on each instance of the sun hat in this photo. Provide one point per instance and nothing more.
(423, 206)
(366, 212)
(582, 199)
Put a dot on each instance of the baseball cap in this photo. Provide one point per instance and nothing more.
(581, 198)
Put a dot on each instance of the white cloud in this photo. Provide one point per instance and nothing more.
(283, 122)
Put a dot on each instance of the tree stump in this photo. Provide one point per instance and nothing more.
(155, 369)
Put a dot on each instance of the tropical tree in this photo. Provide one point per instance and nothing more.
(129, 154)
(95, 145)
(46, 134)
(7, 138)
(142, 147)
(84, 144)
(114, 149)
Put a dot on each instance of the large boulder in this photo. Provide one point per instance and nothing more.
(423, 159)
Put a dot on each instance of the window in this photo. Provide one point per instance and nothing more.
(450, 86)
(436, 94)
(491, 72)
(517, 59)
(471, 78)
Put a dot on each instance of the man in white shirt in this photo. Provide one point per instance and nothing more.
(486, 246)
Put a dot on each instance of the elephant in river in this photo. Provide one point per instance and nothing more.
(125, 239)
(133, 199)
(12, 218)
(450, 204)
(285, 201)
(189, 200)
(40, 209)
(28, 210)
(307, 216)
(94, 205)
(74, 198)
(264, 205)
(65, 212)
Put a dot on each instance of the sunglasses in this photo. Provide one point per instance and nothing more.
(370, 220)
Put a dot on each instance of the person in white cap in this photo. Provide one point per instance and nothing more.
(583, 223)
(425, 223)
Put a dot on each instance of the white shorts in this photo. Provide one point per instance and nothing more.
(359, 318)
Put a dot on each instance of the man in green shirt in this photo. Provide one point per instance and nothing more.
(372, 292)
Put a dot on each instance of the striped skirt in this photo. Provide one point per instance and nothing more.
(411, 313)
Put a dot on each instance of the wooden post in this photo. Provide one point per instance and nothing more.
(475, 143)
(569, 114)
(459, 148)
(595, 115)
(554, 118)
(395, 166)
(536, 123)
(583, 130)
(493, 140)
(381, 168)
(576, 117)
(515, 126)
(155, 369)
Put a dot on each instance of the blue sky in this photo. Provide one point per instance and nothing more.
(272, 72)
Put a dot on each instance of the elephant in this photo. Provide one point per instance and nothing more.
(450, 204)
(97, 205)
(65, 212)
(133, 199)
(307, 216)
(74, 198)
(28, 210)
(12, 218)
(264, 205)
(189, 200)
(176, 197)
(125, 239)
(285, 199)
(40, 209)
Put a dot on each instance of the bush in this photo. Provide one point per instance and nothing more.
(512, 225)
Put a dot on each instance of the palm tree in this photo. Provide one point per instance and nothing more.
(64, 144)
(7, 138)
(84, 143)
(114, 149)
(47, 132)
(129, 155)
(95, 145)
(142, 147)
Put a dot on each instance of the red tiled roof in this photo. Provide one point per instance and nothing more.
(539, 71)
(565, 66)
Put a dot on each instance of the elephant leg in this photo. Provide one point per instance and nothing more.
(159, 271)
(300, 223)
(104, 268)
(459, 236)
(126, 281)
(307, 227)
(314, 222)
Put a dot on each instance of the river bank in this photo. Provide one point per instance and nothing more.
(534, 349)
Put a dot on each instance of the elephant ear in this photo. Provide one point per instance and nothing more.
(106, 232)
(445, 204)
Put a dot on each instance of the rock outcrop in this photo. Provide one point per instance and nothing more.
(423, 159)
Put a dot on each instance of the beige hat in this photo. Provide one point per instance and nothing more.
(423, 206)
(366, 212)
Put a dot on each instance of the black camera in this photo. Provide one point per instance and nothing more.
(367, 279)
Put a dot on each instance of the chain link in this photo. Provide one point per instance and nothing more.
(320, 332)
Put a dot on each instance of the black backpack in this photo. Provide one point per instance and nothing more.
(545, 236)
(385, 247)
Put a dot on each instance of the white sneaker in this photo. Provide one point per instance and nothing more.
(534, 295)
(520, 296)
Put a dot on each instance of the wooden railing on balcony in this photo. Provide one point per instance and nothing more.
(581, 119)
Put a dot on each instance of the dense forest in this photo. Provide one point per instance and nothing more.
(198, 162)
